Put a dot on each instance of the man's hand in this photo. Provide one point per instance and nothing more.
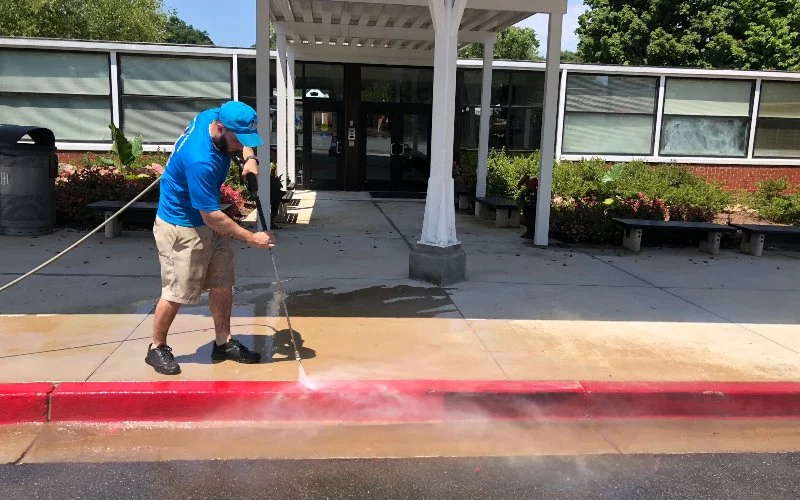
(262, 240)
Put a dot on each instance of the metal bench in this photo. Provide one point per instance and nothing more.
(141, 209)
(506, 211)
(754, 235)
(632, 237)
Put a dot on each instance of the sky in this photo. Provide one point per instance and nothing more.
(231, 23)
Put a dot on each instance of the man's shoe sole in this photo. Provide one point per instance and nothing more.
(160, 370)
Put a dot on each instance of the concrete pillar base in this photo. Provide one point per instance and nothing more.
(437, 265)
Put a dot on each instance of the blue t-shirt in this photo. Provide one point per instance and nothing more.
(193, 175)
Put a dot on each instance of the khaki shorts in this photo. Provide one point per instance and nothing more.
(192, 259)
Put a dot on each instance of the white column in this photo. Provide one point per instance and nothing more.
(550, 112)
(280, 82)
(439, 225)
(662, 92)
(754, 119)
(486, 108)
(262, 101)
(115, 101)
(235, 77)
(291, 154)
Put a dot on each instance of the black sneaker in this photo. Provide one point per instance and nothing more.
(235, 351)
(162, 360)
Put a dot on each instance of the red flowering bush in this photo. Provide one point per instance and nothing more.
(78, 187)
(229, 194)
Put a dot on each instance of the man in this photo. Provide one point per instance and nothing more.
(192, 233)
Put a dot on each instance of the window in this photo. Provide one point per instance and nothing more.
(68, 93)
(778, 125)
(322, 81)
(396, 84)
(706, 117)
(161, 95)
(517, 99)
(609, 114)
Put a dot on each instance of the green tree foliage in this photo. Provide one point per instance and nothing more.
(131, 20)
(740, 34)
(513, 43)
(568, 56)
(178, 31)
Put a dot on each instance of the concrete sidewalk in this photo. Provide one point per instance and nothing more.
(523, 314)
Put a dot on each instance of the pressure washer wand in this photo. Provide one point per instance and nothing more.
(251, 181)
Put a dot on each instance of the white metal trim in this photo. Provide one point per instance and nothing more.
(114, 76)
(693, 160)
(662, 93)
(562, 107)
(205, 51)
(235, 76)
(309, 30)
(751, 145)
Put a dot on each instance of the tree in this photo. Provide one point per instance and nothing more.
(132, 20)
(178, 31)
(740, 34)
(568, 56)
(513, 43)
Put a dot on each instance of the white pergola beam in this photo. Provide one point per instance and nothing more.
(280, 83)
(365, 55)
(377, 32)
(262, 100)
(486, 108)
(308, 14)
(439, 224)
(544, 196)
(529, 6)
(291, 149)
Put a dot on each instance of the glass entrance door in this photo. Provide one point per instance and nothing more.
(323, 145)
(395, 155)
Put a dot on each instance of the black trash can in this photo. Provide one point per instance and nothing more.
(27, 180)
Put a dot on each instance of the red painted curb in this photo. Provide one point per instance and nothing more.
(24, 402)
(693, 399)
(350, 401)
(395, 401)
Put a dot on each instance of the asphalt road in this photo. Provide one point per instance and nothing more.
(745, 476)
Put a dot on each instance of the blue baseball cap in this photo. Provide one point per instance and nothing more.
(242, 120)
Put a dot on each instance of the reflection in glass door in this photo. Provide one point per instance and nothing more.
(379, 145)
(395, 149)
(415, 165)
(322, 167)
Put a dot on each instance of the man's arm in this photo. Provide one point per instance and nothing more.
(222, 224)
(249, 165)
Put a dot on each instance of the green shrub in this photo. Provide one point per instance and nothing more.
(775, 202)
(504, 171)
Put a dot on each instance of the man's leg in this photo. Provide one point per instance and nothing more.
(220, 280)
(165, 315)
(220, 302)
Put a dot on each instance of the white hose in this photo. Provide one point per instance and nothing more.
(101, 226)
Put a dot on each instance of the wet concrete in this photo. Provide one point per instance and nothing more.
(524, 312)
(15, 440)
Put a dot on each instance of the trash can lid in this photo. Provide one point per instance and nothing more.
(11, 134)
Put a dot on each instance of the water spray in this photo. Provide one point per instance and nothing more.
(251, 182)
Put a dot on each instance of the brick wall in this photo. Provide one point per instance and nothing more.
(746, 178)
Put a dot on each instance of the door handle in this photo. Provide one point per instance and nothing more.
(338, 147)
(391, 149)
